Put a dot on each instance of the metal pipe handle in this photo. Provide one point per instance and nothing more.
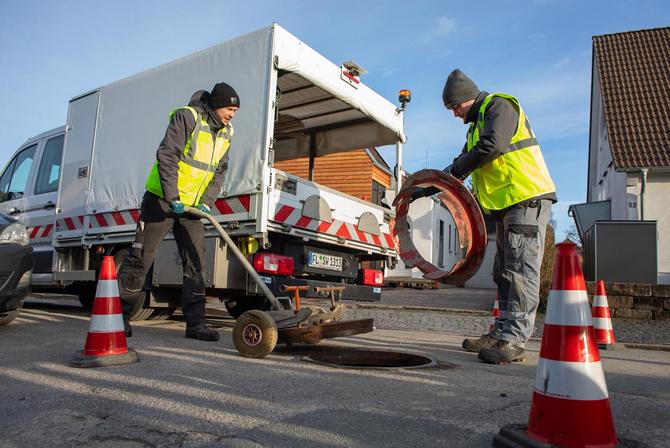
(238, 253)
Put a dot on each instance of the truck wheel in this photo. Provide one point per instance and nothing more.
(86, 294)
(161, 313)
(7, 317)
(141, 311)
(239, 305)
(255, 334)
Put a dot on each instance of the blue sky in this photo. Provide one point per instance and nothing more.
(537, 50)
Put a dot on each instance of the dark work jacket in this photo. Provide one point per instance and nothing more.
(171, 149)
(500, 122)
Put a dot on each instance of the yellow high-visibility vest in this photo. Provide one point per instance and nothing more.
(201, 156)
(515, 176)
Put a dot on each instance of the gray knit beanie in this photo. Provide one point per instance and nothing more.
(458, 88)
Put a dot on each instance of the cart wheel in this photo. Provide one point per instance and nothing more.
(255, 334)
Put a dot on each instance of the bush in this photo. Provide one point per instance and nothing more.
(547, 269)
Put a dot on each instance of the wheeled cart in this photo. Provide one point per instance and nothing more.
(256, 332)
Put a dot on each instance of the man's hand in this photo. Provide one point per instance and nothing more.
(204, 208)
(177, 207)
(424, 192)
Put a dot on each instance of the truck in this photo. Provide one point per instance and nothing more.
(78, 188)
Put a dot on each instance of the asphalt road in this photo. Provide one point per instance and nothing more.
(188, 393)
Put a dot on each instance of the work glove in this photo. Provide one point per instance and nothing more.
(424, 192)
(204, 208)
(177, 207)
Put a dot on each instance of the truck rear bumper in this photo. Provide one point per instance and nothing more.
(352, 292)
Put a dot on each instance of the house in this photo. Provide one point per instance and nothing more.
(361, 173)
(629, 145)
(434, 235)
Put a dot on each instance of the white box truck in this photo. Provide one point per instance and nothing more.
(78, 188)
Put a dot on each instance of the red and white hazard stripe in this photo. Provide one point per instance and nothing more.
(292, 216)
(602, 320)
(118, 218)
(570, 401)
(233, 205)
(40, 233)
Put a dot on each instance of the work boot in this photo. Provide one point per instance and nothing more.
(202, 332)
(127, 329)
(503, 352)
(475, 345)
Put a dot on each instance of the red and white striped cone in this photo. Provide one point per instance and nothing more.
(602, 320)
(106, 340)
(495, 314)
(570, 406)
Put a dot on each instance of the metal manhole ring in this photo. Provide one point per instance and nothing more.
(252, 335)
(347, 358)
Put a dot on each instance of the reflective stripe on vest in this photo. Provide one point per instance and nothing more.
(201, 156)
(517, 175)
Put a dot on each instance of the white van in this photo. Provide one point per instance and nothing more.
(78, 188)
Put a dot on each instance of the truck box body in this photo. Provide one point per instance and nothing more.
(112, 133)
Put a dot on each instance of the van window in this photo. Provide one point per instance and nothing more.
(49, 172)
(4, 180)
(15, 179)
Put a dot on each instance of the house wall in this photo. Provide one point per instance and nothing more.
(350, 172)
(605, 183)
(622, 189)
(656, 208)
(424, 217)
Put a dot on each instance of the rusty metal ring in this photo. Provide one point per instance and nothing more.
(467, 217)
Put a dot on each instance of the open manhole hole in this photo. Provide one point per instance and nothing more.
(371, 359)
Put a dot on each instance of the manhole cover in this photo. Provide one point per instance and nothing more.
(371, 359)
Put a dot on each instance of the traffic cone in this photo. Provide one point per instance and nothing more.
(106, 340)
(495, 314)
(602, 321)
(570, 404)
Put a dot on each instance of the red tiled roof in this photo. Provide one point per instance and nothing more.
(634, 72)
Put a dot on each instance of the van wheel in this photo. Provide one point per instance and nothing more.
(240, 305)
(7, 317)
(86, 294)
(161, 313)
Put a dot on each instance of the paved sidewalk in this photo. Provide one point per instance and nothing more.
(466, 311)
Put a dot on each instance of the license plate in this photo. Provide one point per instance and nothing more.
(321, 261)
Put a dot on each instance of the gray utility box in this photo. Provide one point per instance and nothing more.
(621, 251)
(221, 269)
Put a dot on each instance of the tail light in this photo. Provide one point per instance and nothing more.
(267, 263)
(371, 277)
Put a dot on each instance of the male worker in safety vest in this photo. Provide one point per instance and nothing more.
(512, 183)
(191, 163)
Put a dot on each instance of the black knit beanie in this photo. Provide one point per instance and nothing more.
(458, 88)
(223, 95)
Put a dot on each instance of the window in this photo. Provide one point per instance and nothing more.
(49, 172)
(440, 258)
(449, 238)
(14, 180)
(4, 180)
(378, 192)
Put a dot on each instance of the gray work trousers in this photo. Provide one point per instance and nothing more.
(520, 233)
(155, 222)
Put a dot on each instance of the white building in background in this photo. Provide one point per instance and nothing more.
(629, 148)
(434, 235)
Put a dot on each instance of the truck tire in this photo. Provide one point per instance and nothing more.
(239, 305)
(161, 313)
(7, 317)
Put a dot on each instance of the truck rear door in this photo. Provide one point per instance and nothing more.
(70, 212)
